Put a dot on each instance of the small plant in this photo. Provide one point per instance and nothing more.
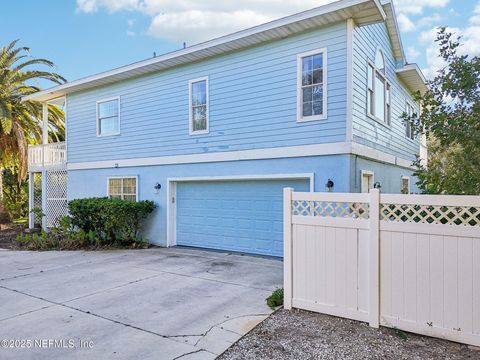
(400, 333)
(276, 299)
(38, 213)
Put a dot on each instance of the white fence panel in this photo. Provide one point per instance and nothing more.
(406, 261)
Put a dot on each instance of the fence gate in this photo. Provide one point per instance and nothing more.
(406, 261)
(56, 196)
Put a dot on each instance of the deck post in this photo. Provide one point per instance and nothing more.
(287, 249)
(374, 259)
(31, 199)
(45, 123)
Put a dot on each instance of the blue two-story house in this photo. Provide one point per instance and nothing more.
(212, 133)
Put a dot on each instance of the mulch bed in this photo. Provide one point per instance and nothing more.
(8, 234)
(301, 335)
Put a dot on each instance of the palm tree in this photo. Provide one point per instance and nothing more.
(20, 123)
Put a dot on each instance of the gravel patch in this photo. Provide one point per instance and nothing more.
(299, 334)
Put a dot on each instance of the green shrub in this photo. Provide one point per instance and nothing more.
(276, 299)
(94, 223)
(109, 220)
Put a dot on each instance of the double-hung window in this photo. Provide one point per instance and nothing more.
(409, 133)
(124, 188)
(198, 103)
(108, 117)
(379, 90)
(312, 85)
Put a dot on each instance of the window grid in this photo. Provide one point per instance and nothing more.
(311, 90)
(409, 133)
(378, 90)
(108, 117)
(198, 106)
(124, 188)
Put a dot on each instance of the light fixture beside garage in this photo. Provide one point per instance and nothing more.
(329, 185)
(157, 187)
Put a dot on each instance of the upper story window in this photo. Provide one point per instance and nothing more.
(198, 112)
(108, 117)
(379, 90)
(312, 85)
(124, 188)
(409, 133)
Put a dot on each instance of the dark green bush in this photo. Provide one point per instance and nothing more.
(112, 220)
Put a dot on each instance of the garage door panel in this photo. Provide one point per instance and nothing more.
(245, 216)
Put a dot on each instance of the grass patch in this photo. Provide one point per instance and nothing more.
(276, 299)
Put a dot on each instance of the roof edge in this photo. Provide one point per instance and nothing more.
(61, 90)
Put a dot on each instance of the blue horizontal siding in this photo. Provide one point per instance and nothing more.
(366, 130)
(253, 104)
(90, 183)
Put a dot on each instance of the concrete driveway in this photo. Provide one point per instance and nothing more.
(143, 304)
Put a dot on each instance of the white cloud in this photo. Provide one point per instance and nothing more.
(412, 53)
(90, 6)
(196, 26)
(470, 46)
(405, 23)
(195, 21)
(475, 19)
(417, 6)
(130, 23)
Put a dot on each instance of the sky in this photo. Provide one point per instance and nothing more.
(85, 37)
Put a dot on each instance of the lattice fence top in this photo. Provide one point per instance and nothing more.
(353, 210)
(431, 214)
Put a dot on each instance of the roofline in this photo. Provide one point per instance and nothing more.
(397, 28)
(416, 68)
(61, 90)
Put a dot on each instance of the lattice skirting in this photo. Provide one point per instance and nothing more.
(37, 196)
(57, 206)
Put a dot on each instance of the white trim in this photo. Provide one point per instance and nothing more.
(190, 112)
(31, 203)
(45, 123)
(237, 40)
(123, 177)
(404, 177)
(350, 35)
(337, 148)
(172, 193)
(98, 118)
(367, 173)
(324, 115)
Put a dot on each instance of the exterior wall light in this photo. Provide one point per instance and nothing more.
(377, 185)
(157, 187)
(329, 185)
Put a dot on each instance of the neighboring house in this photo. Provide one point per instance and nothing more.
(213, 132)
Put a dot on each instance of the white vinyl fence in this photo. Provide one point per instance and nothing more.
(410, 262)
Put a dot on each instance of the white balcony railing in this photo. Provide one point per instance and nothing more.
(47, 155)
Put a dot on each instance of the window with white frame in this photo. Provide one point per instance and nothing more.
(379, 90)
(409, 133)
(367, 181)
(198, 106)
(108, 117)
(125, 188)
(405, 185)
(312, 85)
